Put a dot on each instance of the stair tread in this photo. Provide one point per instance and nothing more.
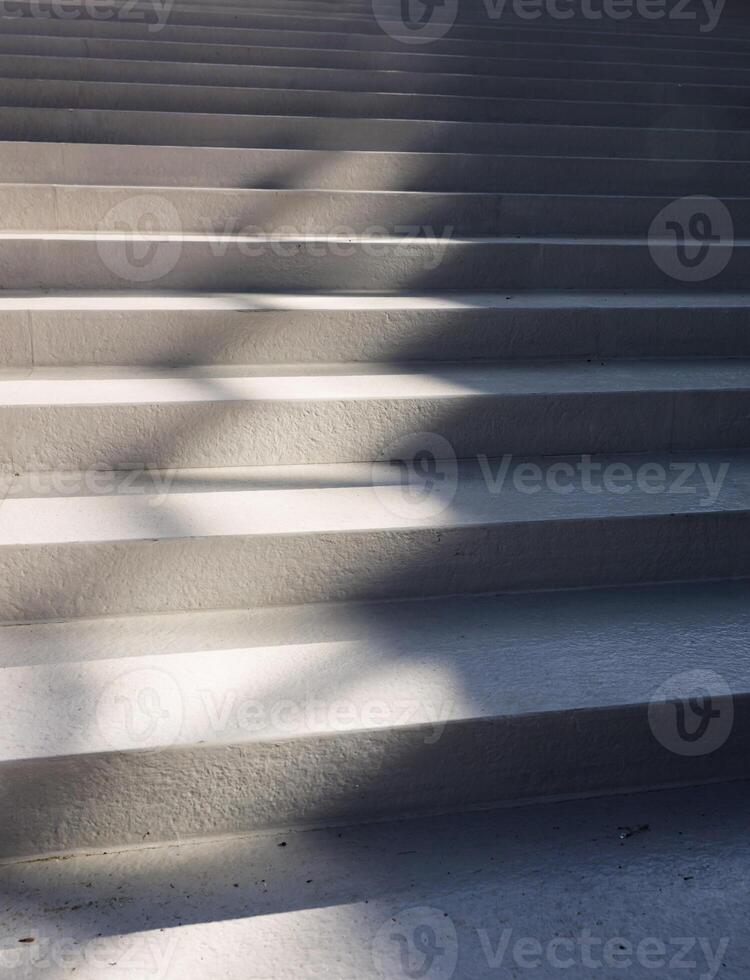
(104, 300)
(429, 662)
(34, 147)
(262, 501)
(8, 187)
(296, 119)
(133, 385)
(448, 241)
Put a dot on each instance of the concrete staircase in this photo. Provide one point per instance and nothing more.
(304, 330)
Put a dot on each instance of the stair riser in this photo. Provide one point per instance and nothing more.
(150, 338)
(339, 80)
(34, 207)
(54, 93)
(237, 433)
(73, 580)
(520, 45)
(383, 135)
(151, 51)
(67, 804)
(367, 266)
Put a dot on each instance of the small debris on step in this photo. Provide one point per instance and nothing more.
(626, 832)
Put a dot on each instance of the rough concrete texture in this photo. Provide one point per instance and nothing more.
(643, 887)
(58, 419)
(247, 252)
(310, 714)
(118, 542)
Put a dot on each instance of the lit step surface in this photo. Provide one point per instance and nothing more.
(327, 713)
(102, 543)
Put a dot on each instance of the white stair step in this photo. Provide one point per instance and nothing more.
(345, 902)
(372, 262)
(308, 132)
(238, 168)
(102, 543)
(298, 715)
(223, 211)
(162, 329)
(242, 415)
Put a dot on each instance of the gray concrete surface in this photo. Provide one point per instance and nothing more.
(645, 886)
